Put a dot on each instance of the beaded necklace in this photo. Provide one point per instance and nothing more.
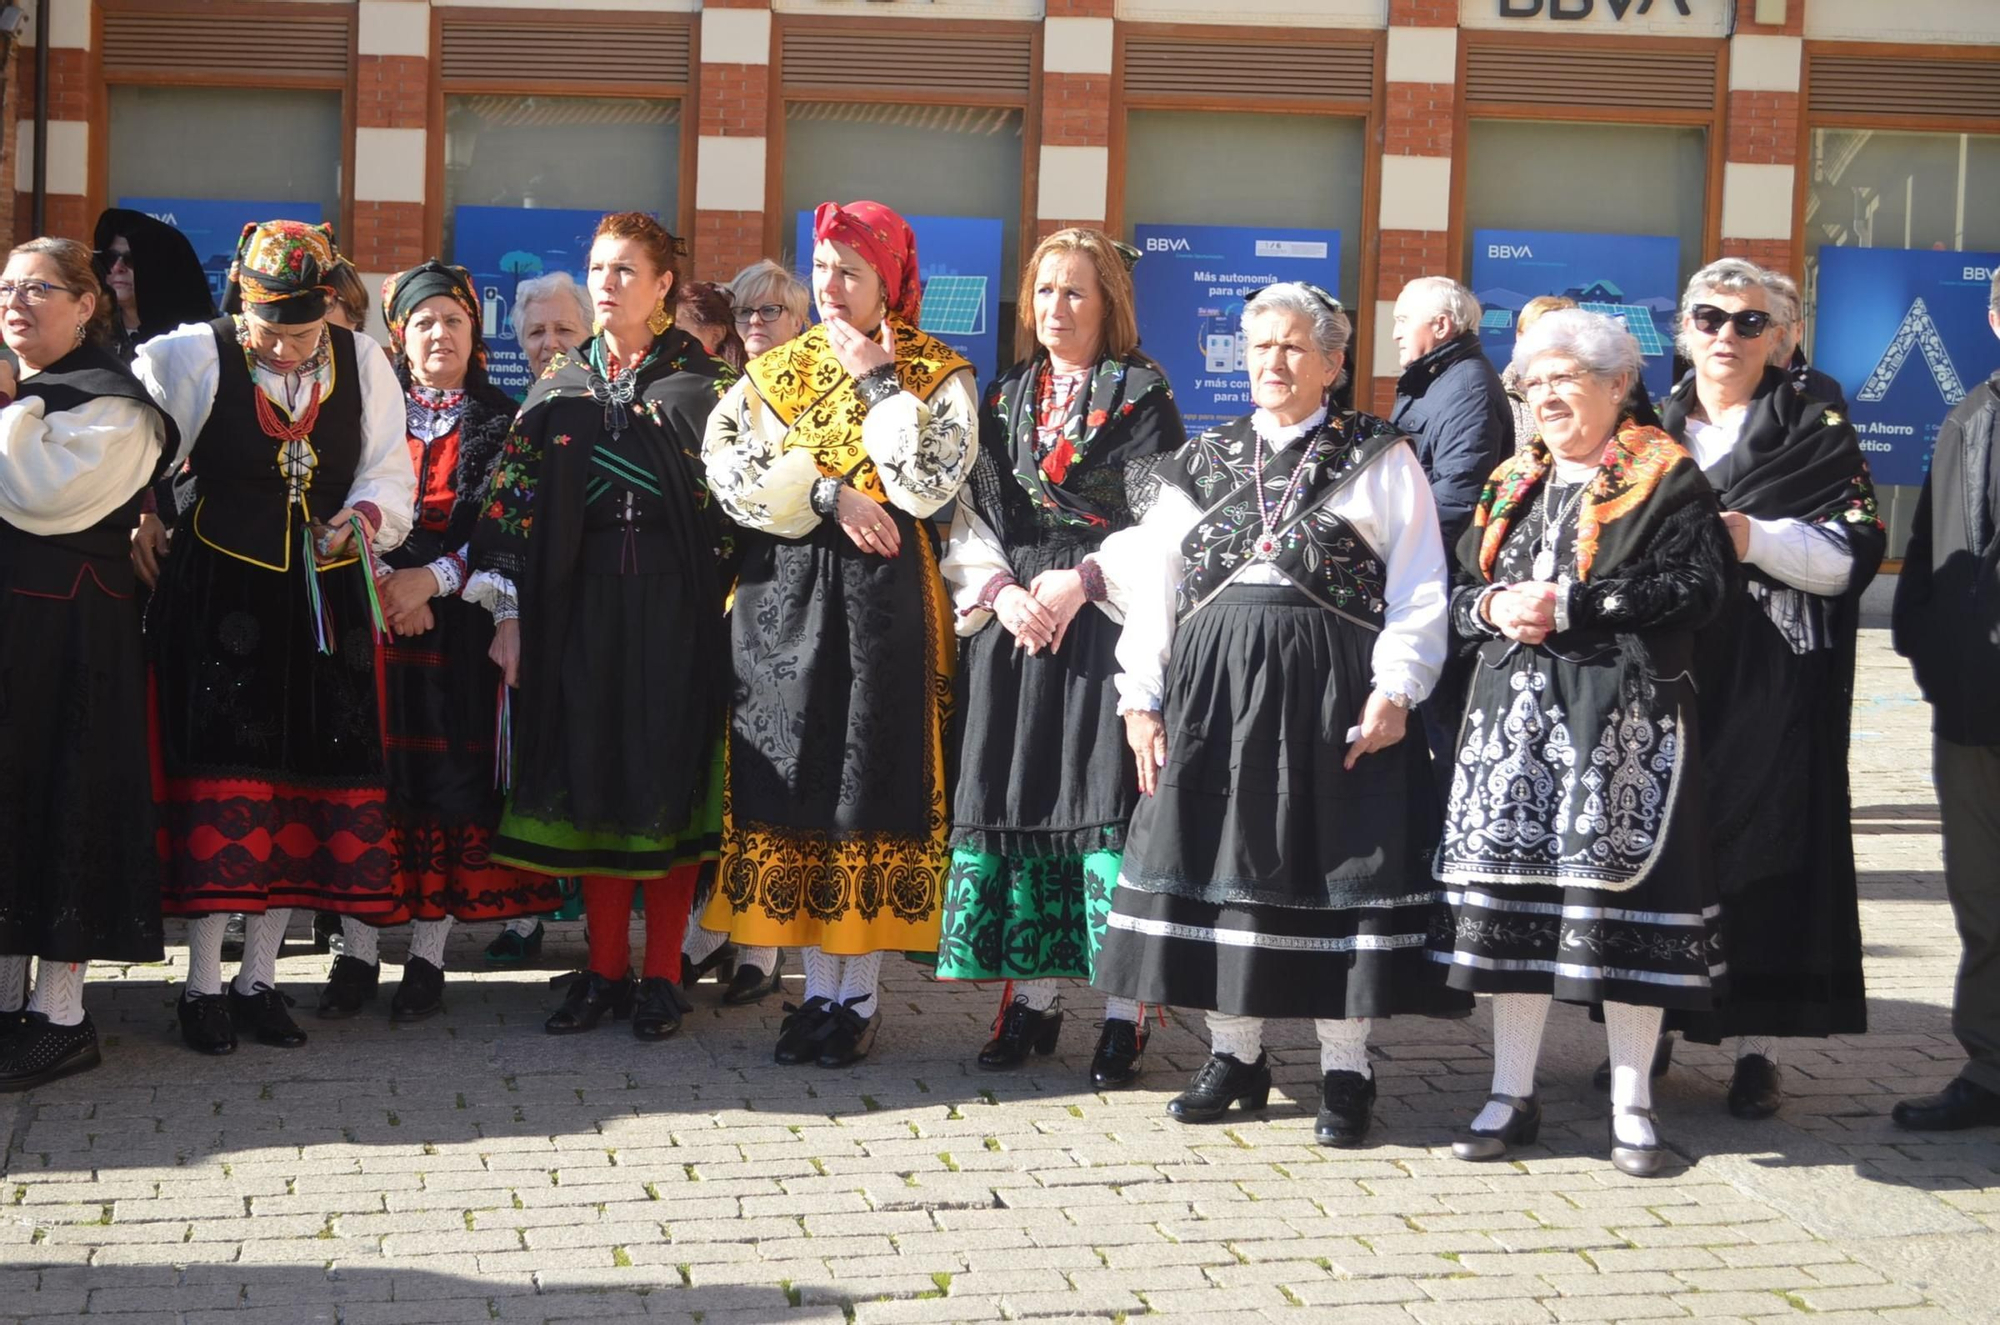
(1267, 546)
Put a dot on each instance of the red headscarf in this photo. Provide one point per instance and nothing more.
(885, 242)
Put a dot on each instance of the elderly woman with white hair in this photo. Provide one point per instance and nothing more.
(1285, 613)
(550, 316)
(1573, 860)
(1776, 671)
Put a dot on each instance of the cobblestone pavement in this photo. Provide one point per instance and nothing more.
(471, 1168)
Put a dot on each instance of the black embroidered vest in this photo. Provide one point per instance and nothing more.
(244, 508)
(1314, 548)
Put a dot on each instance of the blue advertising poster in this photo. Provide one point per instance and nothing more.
(1190, 287)
(958, 260)
(1904, 331)
(503, 246)
(1634, 278)
(214, 226)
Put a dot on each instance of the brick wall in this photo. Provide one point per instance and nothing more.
(1763, 127)
(390, 92)
(1076, 109)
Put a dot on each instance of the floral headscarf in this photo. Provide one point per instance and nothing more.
(403, 292)
(281, 271)
(885, 242)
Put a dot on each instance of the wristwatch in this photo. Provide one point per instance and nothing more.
(1399, 699)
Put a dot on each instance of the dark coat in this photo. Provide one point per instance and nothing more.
(1451, 402)
(1947, 614)
(168, 282)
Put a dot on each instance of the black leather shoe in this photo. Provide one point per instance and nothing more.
(512, 949)
(1347, 1106)
(1021, 1029)
(1219, 1083)
(1523, 1125)
(42, 1052)
(849, 1035)
(206, 1026)
(1960, 1104)
(722, 961)
(1663, 1058)
(1115, 1065)
(590, 997)
(803, 1030)
(660, 1007)
(1754, 1091)
(351, 984)
(264, 1014)
(420, 993)
(1639, 1161)
(750, 985)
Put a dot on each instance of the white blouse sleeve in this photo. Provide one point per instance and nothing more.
(758, 482)
(1812, 557)
(1402, 525)
(181, 372)
(1144, 573)
(386, 475)
(924, 449)
(972, 557)
(64, 472)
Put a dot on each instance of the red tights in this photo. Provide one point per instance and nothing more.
(607, 918)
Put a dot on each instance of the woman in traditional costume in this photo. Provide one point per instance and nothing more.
(1574, 859)
(263, 635)
(837, 447)
(1068, 443)
(1291, 613)
(441, 689)
(1776, 670)
(598, 556)
(79, 867)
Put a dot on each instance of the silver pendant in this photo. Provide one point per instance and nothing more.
(1545, 564)
(1266, 547)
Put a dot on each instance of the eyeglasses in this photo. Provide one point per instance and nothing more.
(30, 292)
(1553, 382)
(111, 257)
(1750, 323)
(769, 312)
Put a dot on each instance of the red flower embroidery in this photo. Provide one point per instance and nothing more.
(1097, 418)
(561, 439)
(1056, 464)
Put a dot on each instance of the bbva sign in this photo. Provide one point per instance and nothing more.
(1575, 10)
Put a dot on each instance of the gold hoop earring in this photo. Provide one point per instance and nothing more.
(661, 318)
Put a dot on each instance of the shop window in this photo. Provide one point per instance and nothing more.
(282, 145)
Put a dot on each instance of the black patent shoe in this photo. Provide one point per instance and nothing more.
(1754, 1091)
(751, 984)
(849, 1035)
(722, 961)
(42, 1051)
(660, 1007)
(1639, 1161)
(1959, 1105)
(206, 1026)
(351, 984)
(1219, 1083)
(1663, 1058)
(803, 1031)
(1115, 1065)
(1347, 1106)
(420, 993)
(264, 1013)
(590, 997)
(512, 949)
(1523, 1125)
(1021, 1028)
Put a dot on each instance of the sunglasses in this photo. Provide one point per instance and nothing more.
(1750, 323)
(112, 257)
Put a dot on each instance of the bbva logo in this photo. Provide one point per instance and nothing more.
(1509, 251)
(1981, 273)
(1167, 246)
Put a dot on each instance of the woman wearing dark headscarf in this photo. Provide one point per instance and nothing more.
(264, 648)
(838, 446)
(441, 689)
(153, 271)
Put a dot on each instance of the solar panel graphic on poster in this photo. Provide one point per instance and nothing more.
(1497, 319)
(954, 306)
(1637, 320)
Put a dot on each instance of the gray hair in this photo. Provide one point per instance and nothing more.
(1330, 327)
(1448, 298)
(540, 289)
(1735, 276)
(768, 282)
(1600, 345)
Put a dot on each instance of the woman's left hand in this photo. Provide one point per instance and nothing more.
(859, 354)
(1382, 725)
(403, 592)
(415, 621)
(1061, 592)
(340, 533)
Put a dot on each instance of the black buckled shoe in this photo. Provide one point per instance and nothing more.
(1219, 1083)
(1115, 1064)
(263, 1012)
(660, 1008)
(1523, 1125)
(1754, 1091)
(350, 985)
(849, 1035)
(1640, 1161)
(420, 993)
(1021, 1028)
(42, 1051)
(1960, 1104)
(722, 961)
(1663, 1058)
(206, 1026)
(512, 949)
(750, 984)
(803, 1029)
(590, 996)
(1347, 1106)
